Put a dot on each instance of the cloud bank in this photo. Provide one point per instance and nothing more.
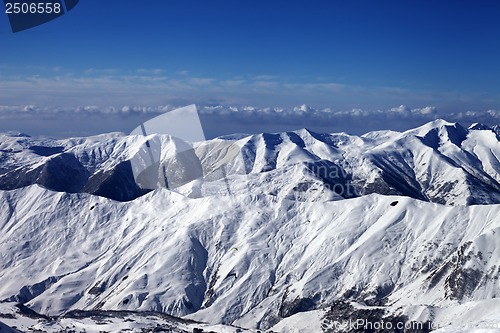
(221, 120)
(61, 103)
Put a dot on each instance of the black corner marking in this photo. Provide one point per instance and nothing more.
(27, 14)
(70, 4)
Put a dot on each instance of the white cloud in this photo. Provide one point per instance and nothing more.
(220, 120)
(124, 98)
(405, 111)
(426, 110)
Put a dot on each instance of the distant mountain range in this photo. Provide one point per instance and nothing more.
(295, 231)
(439, 162)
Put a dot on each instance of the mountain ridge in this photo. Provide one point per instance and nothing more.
(439, 162)
(247, 260)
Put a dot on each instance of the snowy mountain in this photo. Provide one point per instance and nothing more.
(324, 229)
(18, 318)
(438, 162)
(249, 261)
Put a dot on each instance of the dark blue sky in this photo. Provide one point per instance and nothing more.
(344, 55)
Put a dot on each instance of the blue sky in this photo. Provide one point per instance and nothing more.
(342, 55)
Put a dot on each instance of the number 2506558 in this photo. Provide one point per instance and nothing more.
(32, 8)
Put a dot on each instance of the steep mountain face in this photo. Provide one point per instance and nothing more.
(256, 231)
(438, 162)
(248, 260)
(94, 165)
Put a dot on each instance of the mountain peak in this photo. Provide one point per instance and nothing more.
(437, 123)
(479, 127)
(383, 162)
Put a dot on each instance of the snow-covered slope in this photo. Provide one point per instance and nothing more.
(261, 231)
(98, 321)
(438, 162)
(248, 260)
